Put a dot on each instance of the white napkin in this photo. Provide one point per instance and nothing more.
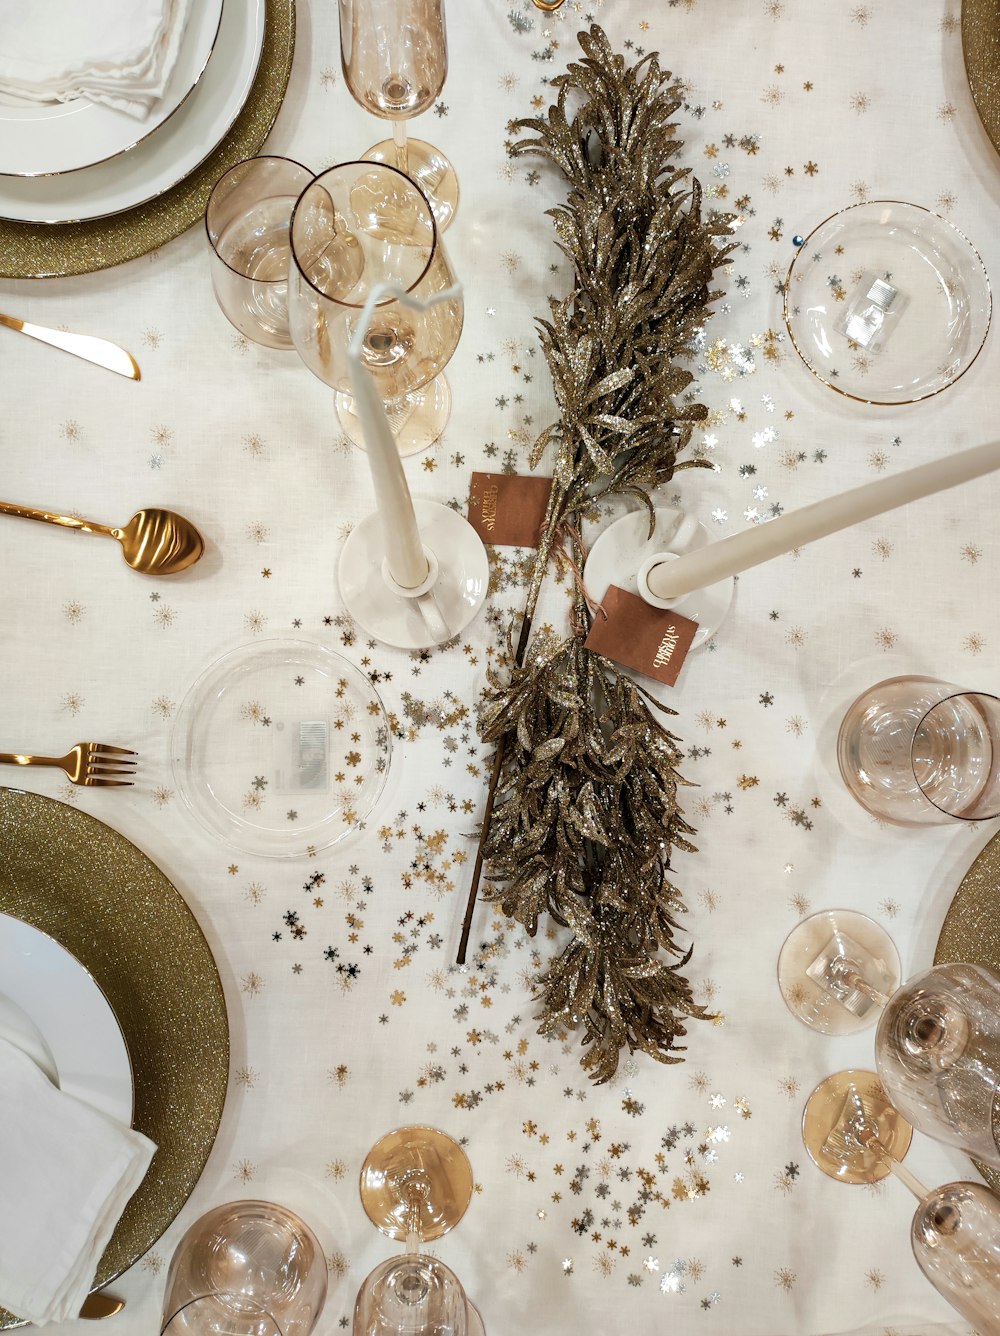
(119, 52)
(66, 1174)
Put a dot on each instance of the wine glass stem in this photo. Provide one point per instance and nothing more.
(908, 1179)
(399, 139)
(413, 1204)
(862, 985)
(898, 1170)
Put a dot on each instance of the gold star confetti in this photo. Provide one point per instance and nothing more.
(337, 1264)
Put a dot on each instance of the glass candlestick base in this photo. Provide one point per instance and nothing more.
(458, 592)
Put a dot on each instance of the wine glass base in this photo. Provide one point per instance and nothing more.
(459, 591)
(865, 947)
(437, 1168)
(623, 547)
(417, 419)
(823, 1121)
(429, 168)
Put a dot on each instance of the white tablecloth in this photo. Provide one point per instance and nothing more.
(794, 109)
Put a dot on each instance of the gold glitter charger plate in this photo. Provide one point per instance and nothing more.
(87, 886)
(981, 48)
(51, 250)
(971, 933)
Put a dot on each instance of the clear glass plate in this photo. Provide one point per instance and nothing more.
(281, 748)
(887, 302)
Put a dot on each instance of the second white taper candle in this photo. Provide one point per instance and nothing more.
(717, 561)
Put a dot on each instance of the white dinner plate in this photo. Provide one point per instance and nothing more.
(167, 155)
(72, 1015)
(41, 138)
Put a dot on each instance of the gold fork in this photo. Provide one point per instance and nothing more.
(95, 764)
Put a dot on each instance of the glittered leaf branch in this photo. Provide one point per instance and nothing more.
(582, 812)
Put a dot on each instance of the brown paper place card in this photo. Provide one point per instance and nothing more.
(654, 641)
(508, 508)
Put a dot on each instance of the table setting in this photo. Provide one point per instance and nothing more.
(510, 837)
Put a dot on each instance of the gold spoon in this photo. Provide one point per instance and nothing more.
(155, 542)
(98, 1305)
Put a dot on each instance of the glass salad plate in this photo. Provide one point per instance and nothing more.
(281, 748)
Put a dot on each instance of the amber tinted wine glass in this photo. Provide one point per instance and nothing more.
(356, 226)
(836, 970)
(395, 58)
(854, 1134)
(416, 1184)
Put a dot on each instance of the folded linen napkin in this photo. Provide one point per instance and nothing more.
(119, 52)
(66, 1174)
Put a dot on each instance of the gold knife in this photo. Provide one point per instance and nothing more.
(98, 351)
(99, 1305)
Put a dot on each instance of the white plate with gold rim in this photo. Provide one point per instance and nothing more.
(166, 156)
(41, 138)
(70, 1014)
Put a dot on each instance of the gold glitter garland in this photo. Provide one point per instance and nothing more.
(582, 811)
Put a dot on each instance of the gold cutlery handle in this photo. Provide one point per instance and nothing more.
(92, 349)
(47, 517)
(18, 758)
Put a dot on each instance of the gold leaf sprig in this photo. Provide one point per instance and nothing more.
(582, 812)
(582, 831)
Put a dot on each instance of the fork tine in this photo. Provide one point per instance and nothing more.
(105, 749)
(97, 782)
(98, 771)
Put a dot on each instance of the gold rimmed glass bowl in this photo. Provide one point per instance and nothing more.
(887, 303)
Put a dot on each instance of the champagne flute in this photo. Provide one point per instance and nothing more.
(853, 1134)
(358, 225)
(416, 1184)
(394, 55)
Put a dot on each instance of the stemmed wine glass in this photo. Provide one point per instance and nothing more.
(395, 58)
(852, 1133)
(416, 1184)
(356, 226)
(937, 1046)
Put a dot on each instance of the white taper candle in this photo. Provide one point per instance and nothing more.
(404, 552)
(717, 561)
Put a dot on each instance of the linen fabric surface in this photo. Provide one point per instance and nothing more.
(675, 1197)
(67, 1172)
(120, 53)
